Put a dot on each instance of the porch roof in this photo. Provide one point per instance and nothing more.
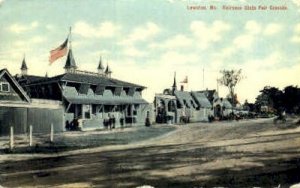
(107, 101)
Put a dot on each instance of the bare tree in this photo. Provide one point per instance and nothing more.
(229, 79)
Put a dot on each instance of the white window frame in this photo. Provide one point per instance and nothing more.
(1, 87)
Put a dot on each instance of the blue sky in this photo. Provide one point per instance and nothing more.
(145, 41)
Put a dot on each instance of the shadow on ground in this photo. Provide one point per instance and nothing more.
(135, 167)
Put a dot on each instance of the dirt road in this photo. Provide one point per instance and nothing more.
(230, 154)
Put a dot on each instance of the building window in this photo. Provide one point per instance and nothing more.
(86, 109)
(4, 87)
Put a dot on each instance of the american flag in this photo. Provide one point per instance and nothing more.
(59, 52)
(185, 80)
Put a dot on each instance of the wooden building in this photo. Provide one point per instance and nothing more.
(19, 111)
(91, 98)
(177, 106)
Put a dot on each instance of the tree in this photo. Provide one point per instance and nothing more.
(271, 97)
(291, 99)
(230, 78)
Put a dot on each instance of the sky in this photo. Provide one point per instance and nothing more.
(146, 42)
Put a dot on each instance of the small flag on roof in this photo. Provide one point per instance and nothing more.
(185, 80)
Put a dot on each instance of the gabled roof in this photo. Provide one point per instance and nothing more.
(70, 63)
(86, 78)
(201, 99)
(24, 66)
(226, 103)
(12, 80)
(208, 93)
(185, 97)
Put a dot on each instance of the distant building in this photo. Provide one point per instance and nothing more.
(178, 105)
(181, 106)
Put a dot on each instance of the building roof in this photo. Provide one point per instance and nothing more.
(24, 66)
(201, 99)
(93, 79)
(185, 98)
(16, 85)
(105, 100)
(70, 63)
(30, 78)
(209, 94)
(226, 103)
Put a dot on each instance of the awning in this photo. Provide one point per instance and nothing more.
(107, 101)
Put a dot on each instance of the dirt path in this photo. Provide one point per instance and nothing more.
(232, 154)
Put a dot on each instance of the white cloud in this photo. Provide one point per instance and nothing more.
(171, 58)
(49, 26)
(244, 41)
(252, 30)
(267, 63)
(142, 33)
(103, 30)
(133, 52)
(207, 34)
(37, 39)
(29, 42)
(20, 28)
(296, 37)
(272, 28)
(252, 27)
(178, 41)
(297, 3)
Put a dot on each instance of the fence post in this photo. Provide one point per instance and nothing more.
(51, 133)
(11, 142)
(30, 135)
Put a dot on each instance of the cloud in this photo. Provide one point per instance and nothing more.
(252, 27)
(244, 41)
(296, 37)
(49, 26)
(207, 34)
(178, 41)
(29, 42)
(252, 30)
(20, 28)
(297, 3)
(105, 29)
(172, 58)
(133, 52)
(272, 29)
(142, 33)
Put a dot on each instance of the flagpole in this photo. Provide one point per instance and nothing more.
(203, 79)
(70, 37)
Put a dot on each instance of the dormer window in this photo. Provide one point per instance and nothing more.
(4, 87)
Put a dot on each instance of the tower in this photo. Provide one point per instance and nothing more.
(100, 67)
(70, 65)
(174, 87)
(24, 67)
(108, 72)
